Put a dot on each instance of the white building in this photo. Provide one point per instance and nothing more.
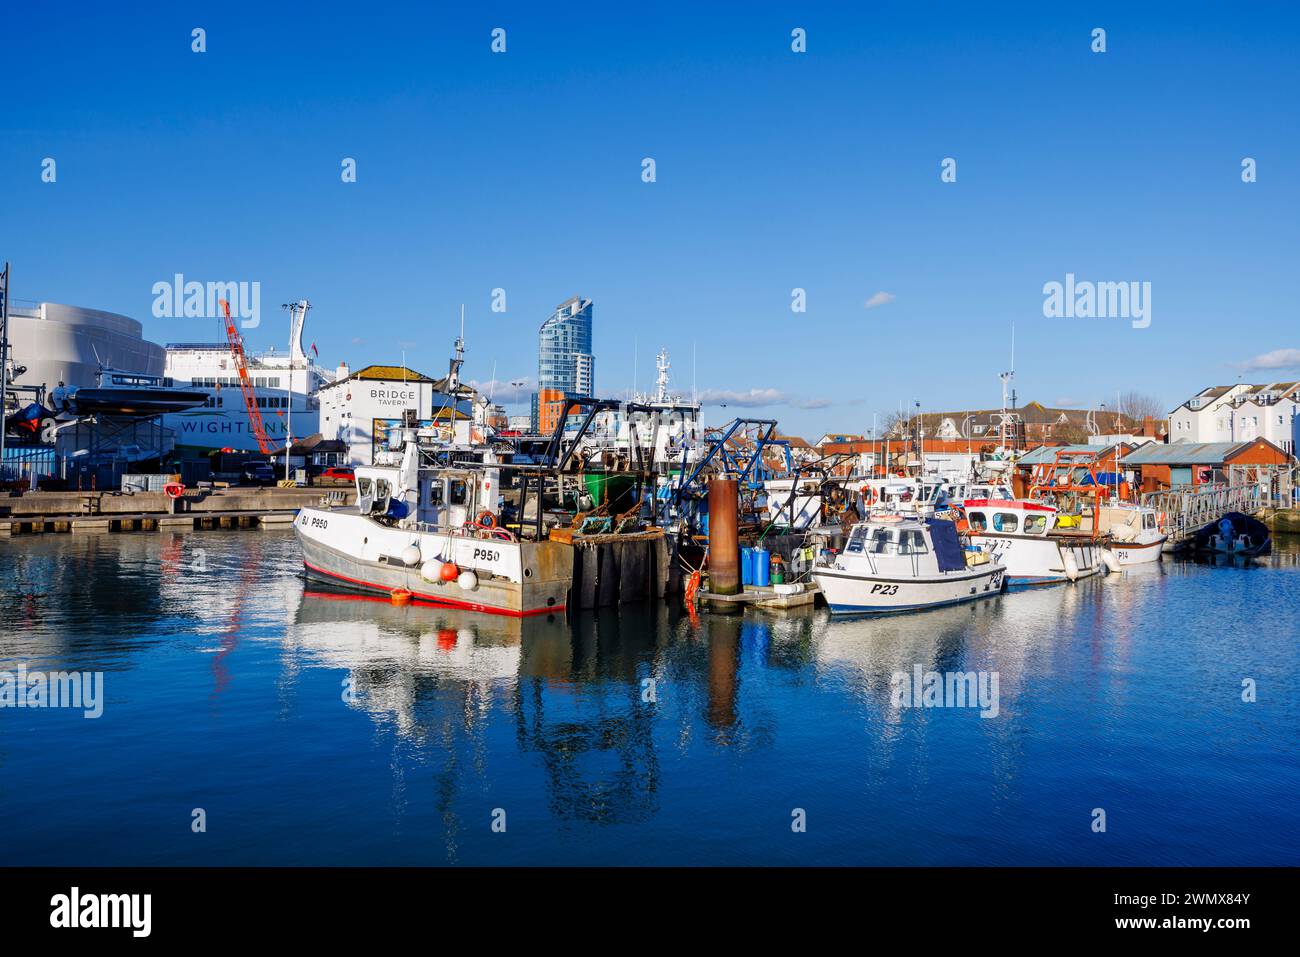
(361, 408)
(1239, 413)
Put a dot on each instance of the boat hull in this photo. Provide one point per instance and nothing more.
(511, 578)
(1133, 553)
(851, 594)
(1041, 560)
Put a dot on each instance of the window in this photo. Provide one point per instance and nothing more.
(1035, 524)
(857, 540)
(459, 492)
(434, 498)
(978, 522)
(911, 542)
(382, 489)
(882, 543)
(363, 487)
(1148, 521)
(1005, 522)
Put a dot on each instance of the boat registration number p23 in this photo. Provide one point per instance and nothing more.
(879, 589)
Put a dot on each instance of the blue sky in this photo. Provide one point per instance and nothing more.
(775, 170)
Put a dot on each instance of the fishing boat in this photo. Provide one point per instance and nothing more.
(1037, 544)
(1235, 534)
(895, 563)
(1134, 532)
(426, 529)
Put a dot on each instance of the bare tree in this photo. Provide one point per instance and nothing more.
(893, 424)
(1135, 406)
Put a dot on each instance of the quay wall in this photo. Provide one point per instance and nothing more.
(260, 500)
(1282, 520)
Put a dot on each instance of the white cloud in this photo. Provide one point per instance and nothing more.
(754, 398)
(503, 390)
(1277, 359)
(879, 299)
(761, 398)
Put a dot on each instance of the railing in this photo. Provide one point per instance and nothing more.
(1184, 512)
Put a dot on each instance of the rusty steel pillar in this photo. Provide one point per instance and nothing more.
(724, 537)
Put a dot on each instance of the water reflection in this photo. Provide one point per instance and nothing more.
(638, 716)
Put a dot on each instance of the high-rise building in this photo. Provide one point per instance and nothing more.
(565, 363)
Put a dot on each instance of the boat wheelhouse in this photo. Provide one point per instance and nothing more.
(1037, 544)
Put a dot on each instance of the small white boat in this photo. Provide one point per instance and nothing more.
(1134, 530)
(893, 563)
(1028, 537)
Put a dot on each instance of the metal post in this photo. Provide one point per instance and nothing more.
(724, 539)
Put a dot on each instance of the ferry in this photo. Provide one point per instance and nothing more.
(1037, 544)
(895, 563)
(284, 385)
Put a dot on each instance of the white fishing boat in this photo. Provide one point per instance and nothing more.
(1037, 545)
(425, 528)
(1134, 531)
(894, 563)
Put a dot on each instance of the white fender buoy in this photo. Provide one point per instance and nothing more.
(430, 570)
(789, 588)
(1111, 561)
(467, 580)
(411, 555)
(1070, 564)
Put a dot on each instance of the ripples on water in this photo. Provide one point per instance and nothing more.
(320, 729)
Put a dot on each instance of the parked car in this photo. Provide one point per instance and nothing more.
(259, 473)
(342, 472)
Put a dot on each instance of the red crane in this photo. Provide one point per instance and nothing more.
(245, 383)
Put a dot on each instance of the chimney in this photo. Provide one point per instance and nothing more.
(342, 372)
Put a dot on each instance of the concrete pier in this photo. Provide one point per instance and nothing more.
(41, 512)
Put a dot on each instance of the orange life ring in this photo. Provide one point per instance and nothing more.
(868, 494)
(174, 489)
(486, 519)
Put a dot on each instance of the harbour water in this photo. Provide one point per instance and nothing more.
(313, 728)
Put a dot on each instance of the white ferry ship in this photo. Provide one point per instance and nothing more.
(281, 380)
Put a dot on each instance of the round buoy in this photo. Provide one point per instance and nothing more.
(467, 580)
(411, 555)
(430, 570)
(486, 519)
(174, 489)
(400, 596)
(448, 572)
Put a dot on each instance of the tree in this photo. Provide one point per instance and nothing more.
(1135, 406)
